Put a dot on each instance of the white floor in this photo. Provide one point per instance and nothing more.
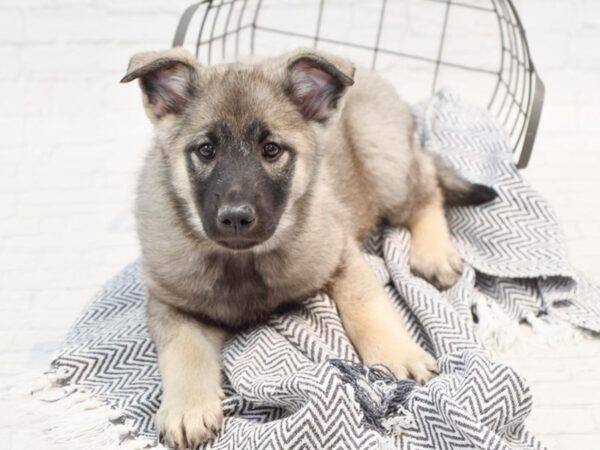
(72, 140)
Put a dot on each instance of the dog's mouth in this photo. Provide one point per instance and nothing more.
(238, 244)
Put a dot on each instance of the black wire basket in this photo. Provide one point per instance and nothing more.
(476, 47)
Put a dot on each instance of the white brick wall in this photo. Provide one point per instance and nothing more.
(72, 139)
(564, 37)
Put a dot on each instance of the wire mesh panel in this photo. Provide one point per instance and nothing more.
(476, 47)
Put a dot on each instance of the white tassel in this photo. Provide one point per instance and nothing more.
(138, 444)
(387, 444)
(552, 330)
(61, 416)
(397, 424)
(115, 415)
(495, 328)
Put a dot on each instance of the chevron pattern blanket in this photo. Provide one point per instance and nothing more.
(296, 381)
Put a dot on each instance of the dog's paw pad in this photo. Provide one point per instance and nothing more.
(186, 424)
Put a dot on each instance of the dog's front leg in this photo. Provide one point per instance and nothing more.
(189, 361)
(373, 324)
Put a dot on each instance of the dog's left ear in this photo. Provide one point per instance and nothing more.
(316, 81)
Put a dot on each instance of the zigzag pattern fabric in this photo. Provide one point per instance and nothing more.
(297, 383)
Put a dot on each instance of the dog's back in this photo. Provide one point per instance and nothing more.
(370, 154)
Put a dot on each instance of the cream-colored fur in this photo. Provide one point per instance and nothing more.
(189, 364)
(432, 254)
(373, 324)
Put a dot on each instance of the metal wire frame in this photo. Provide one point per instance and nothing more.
(516, 99)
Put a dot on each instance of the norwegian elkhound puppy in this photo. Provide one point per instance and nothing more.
(263, 179)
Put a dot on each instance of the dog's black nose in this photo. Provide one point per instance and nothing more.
(236, 219)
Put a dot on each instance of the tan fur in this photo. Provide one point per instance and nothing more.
(432, 254)
(351, 171)
(373, 324)
(191, 409)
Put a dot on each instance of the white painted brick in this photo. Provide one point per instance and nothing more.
(94, 24)
(66, 61)
(16, 301)
(17, 363)
(585, 51)
(13, 133)
(562, 419)
(6, 435)
(21, 98)
(543, 15)
(587, 441)
(13, 26)
(67, 23)
(62, 129)
(34, 4)
(78, 97)
(551, 50)
(72, 140)
(59, 300)
(10, 67)
(134, 7)
(15, 226)
(567, 393)
(39, 340)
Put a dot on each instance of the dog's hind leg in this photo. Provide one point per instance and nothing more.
(432, 253)
(434, 185)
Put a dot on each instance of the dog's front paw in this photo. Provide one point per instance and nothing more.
(439, 264)
(184, 421)
(403, 357)
(414, 363)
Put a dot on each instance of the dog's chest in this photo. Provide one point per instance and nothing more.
(240, 290)
(238, 275)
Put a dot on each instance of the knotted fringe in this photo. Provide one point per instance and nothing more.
(51, 410)
(553, 330)
(501, 333)
(497, 331)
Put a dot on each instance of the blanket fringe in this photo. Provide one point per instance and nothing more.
(554, 331)
(496, 329)
(48, 410)
(501, 333)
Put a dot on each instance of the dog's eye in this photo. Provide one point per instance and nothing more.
(271, 151)
(206, 152)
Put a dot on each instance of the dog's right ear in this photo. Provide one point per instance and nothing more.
(168, 80)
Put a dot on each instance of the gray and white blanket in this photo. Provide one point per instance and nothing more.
(296, 381)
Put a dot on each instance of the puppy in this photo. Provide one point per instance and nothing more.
(263, 179)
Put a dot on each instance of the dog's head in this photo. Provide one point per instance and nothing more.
(241, 141)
